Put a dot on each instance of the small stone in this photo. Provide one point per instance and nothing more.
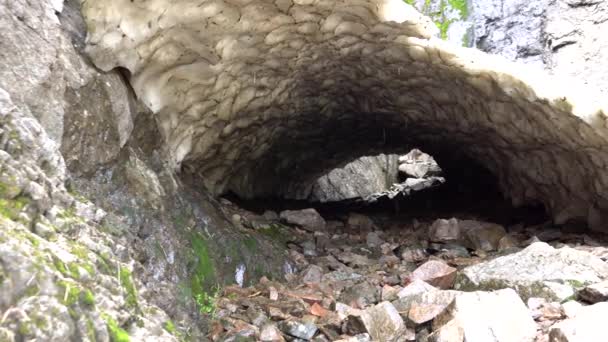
(358, 222)
(443, 230)
(309, 219)
(318, 310)
(312, 275)
(270, 333)
(436, 273)
(297, 329)
(271, 215)
(413, 254)
(310, 248)
(344, 311)
(273, 293)
(389, 293)
(588, 325)
(360, 295)
(595, 293)
(383, 322)
(373, 239)
(389, 260)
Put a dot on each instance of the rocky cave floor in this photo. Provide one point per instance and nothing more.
(436, 275)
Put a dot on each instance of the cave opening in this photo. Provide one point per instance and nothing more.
(466, 190)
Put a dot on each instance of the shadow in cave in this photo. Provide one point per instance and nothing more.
(471, 191)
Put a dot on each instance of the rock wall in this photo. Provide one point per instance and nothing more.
(254, 95)
(126, 249)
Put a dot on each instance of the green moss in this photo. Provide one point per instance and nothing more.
(12, 208)
(126, 281)
(70, 292)
(206, 302)
(461, 6)
(410, 2)
(170, 327)
(203, 270)
(6, 189)
(25, 328)
(32, 290)
(87, 298)
(80, 251)
(60, 266)
(91, 330)
(251, 244)
(575, 283)
(117, 334)
(275, 232)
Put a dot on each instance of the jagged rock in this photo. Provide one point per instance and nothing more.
(487, 316)
(296, 329)
(357, 179)
(550, 273)
(594, 293)
(587, 325)
(418, 164)
(415, 287)
(270, 333)
(436, 273)
(424, 307)
(383, 322)
(308, 219)
(413, 254)
(312, 275)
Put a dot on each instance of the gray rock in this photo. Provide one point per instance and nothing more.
(373, 239)
(498, 316)
(550, 273)
(588, 325)
(594, 293)
(297, 329)
(361, 295)
(312, 275)
(357, 179)
(309, 219)
(383, 322)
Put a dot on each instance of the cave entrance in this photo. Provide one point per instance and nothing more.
(403, 187)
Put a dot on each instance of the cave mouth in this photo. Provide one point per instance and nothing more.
(469, 191)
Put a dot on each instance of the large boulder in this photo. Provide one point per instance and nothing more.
(309, 219)
(588, 325)
(498, 316)
(537, 271)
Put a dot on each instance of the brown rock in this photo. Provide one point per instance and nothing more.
(436, 273)
(270, 333)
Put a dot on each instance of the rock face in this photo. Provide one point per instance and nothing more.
(243, 125)
(550, 273)
(549, 34)
(308, 219)
(418, 164)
